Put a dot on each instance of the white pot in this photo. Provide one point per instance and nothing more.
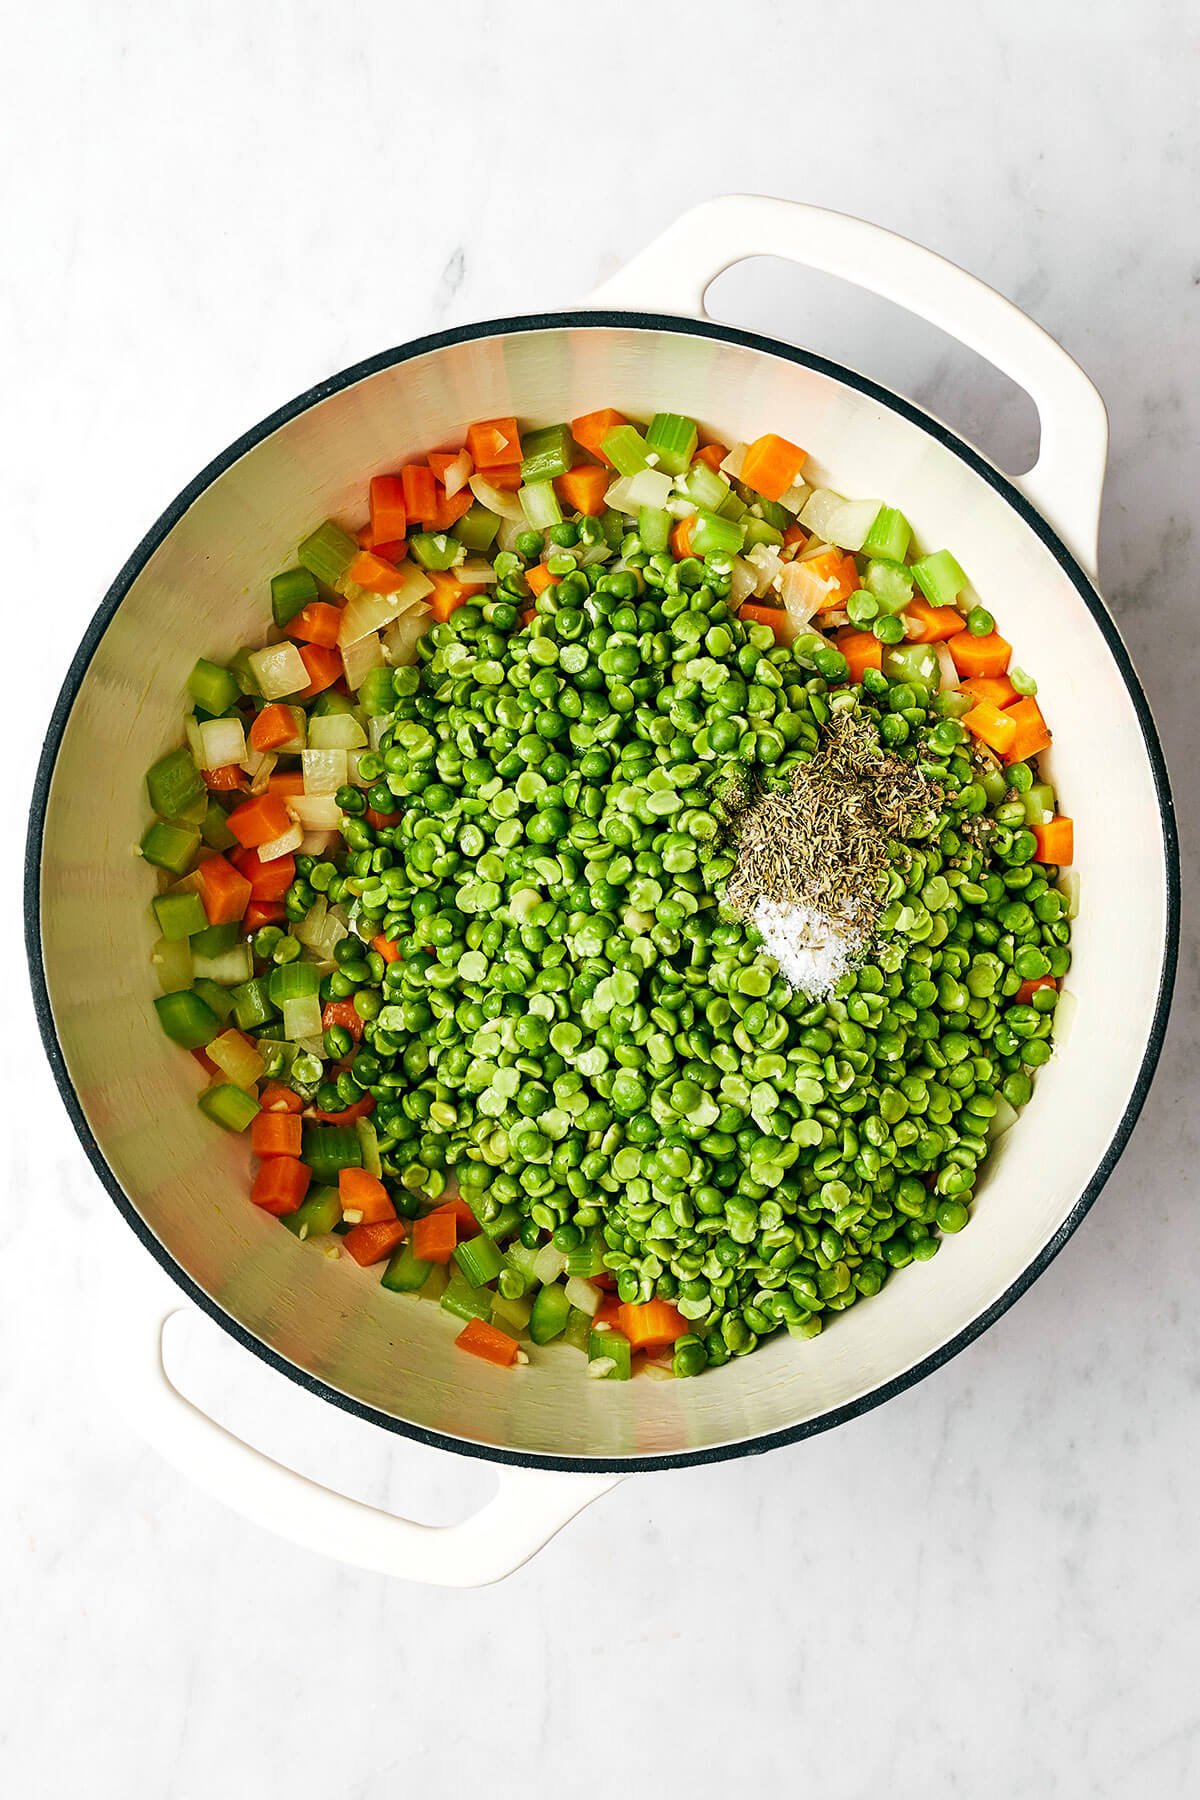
(198, 583)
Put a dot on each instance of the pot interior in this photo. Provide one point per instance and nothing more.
(203, 591)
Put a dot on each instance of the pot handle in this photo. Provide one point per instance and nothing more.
(530, 1506)
(674, 273)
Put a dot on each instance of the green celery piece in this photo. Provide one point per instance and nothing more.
(733, 507)
(539, 503)
(511, 1315)
(214, 996)
(610, 1345)
(230, 1107)
(578, 1329)
(994, 784)
(377, 696)
(467, 1302)
(704, 487)
(889, 537)
(890, 583)
(759, 532)
(625, 448)
(174, 784)
(251, 1004)
(331, 702)
(291, 592)
(293, 981)
(549, 452)
(214, 830)
(327, 552)
(215, 940)
(654, 529)
(951, 703)
(712, 532)
(170, 847)
(507, 1220)
(1038, 802)
(242, 672)
(477, 529)
(213, 688)
(771, 512)
(912, 662)
(179, 915)
(587, 1259)
(317, 1215)
(548, 1319)
(939, 578)
(479, 1260)
(673, 438)
(435, 549)
(186, 1019)
(327, 1149)
(405, 1273)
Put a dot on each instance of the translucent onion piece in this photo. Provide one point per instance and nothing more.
(366, 612)
(324, 770)
(171, 960)
(1003, 1119)
(359, 659)
(1064, 1018)
(309, 929)
(796, 497)
(743, 582)
(767, 566)
(222, 741)
(316, 812)
(475, 572)
(229, 969)
(584, 1294)
(401, 639)
(548, 1264)
(949, 674)
(732, 466)
(283, 845)
(318, 843)
(850, 523)
(617, 495)
(495, 499)
(302, 1017)
(1068, 887)
(236, 1057)
(509, 532)
(260, 776)
(278, 670)
(336, 731)
(649, 487)
(819, 509)
(796, 588)
(458, 473)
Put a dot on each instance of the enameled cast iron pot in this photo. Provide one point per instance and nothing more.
(198, 581)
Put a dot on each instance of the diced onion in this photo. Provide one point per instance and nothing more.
(229, 969)
(797, 591)
(495, 499)
(336, 731)
(368, 1139)
(376, 726)
(367, 612)
(360, 658)
(283, 845)
(819, 510)
(236, 1057)
(278, 670)
(767, 566)
(1064, 1017)
(319, 843)
(401, 639)
(260, 775)
(548, 1264)
(310, 929)
(949, 674)
(743, 581)
(649, 487)
(1003, 1119)
(316, 812)
(732, 465)
(221, 741)
(477, 571)
(617, 495)
(192, 727)
(458, 473)
(302, 1017)
(171, 960)
(584, 1295)
(510, 530)
(324, 770)
(796, 497)
(851, 522)
(1068, 887)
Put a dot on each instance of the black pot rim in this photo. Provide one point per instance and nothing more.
(108, 608)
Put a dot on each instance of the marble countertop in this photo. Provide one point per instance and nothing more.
(989, 1587)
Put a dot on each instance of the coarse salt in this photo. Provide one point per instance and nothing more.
(812, 951)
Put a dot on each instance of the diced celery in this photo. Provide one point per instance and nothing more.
(506, 1221)
(171, 960)
(405, 1273)
(179, 915)
(625, 448)
(368, 1143)
(951, 703)
(889, 537)
(327, 552)
(376, 696)
(293, 981)
(477, 529)
(327, 1149)
(251, 1004)
(711, 532)
(890, 583)
(673, 440)
(467, 1302)
(912, 662)
(588, 1258)
(759, 532)
(212, 687)
(994, 784)
(610, 1347)
(219, 998)
(228, 1106)
(214, 830)
(291, 592)
(187, 1020)
(435, 549)
(511, 1315)
(654, 529)
(243, 674)
(548, 1318)
(214, 940)
(578, 1329)
(175, 784)
(939, 578)
(539, 503)
(229, 969)
(317, 1214)
(170, 847)
(704, 487)
(237, 1058)
(278, 1058)
(337, 730)
(549, 452)
(479, 1260)
(770, 511)
(1038, 802)
(733, 507)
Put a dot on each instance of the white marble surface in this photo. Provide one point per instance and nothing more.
(989, 1587)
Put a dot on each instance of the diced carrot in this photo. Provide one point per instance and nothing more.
(225, 780)
(316, 623)
(1032, 735)
(224, 891)
(274, 725)
(979, 655)
(348, 1114)
(862, 650)
(371, 572)
(280, 1185)
(448, 593)
(1056, 841)
(324, 668)
(591, 429)
(771, 465)
(440, 461)
(934, 623)
(362, 1192)
(276, 1098)
(794, 538)
(992, 726)
(830, 567)
(420, 493)
(276, 1134)
(494, 443)
(606, 1281)
(583, 489)
(390, 952)
(268, 880)
(996, 688)
(465, 1222)
(650, 1324)
(389, 516)
(342, 1012)
(434, 1238)
(608, 1311)
(391, 550)
(681, 538)
(286, 781)
(540, 578)
(487, 1341)
(259, 820)
(507, 480)
(371, 1243)
(451, 508)
(774, 616)
(382, 821)
(1028, 989)
(263, 912)
(529, 615)
(711, 454)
